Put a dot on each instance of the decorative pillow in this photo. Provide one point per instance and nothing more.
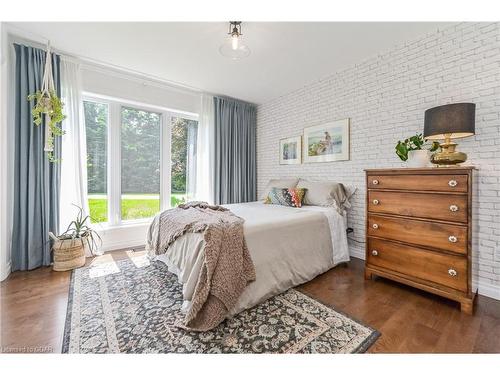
(326, 193)
(279, 183)
(286, 197)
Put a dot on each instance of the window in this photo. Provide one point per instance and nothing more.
(96, 123)
(141, 159)
(183, 168)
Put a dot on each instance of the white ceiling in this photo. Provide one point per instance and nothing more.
(284, 56)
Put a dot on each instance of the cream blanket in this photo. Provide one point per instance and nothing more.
(288, 246)
(227, 267)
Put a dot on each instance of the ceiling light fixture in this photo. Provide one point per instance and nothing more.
(233, 47)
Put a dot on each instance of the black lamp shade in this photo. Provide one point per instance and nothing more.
(458, 120)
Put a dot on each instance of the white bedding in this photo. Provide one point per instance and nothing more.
(289, 246)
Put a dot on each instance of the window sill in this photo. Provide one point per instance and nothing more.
(105, 227)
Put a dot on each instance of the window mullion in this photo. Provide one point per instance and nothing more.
(165, 163)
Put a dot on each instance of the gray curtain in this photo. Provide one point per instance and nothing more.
(235, 151)
(36, 181)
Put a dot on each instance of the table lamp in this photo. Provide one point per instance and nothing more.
(448, 122)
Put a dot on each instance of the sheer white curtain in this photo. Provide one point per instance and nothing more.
(205, 151)
(192, 160)
(74, 148)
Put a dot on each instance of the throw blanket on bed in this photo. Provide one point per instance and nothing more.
(227, 268)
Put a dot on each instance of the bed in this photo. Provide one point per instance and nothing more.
(288, 246)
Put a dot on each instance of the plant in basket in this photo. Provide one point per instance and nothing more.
(70, 246)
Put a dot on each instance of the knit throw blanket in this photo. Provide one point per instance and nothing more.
(227, 267)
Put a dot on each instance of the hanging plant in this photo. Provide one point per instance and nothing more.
(48, 104)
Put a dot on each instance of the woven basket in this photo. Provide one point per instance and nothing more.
(69, 253)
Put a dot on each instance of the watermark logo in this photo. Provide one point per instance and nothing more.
(26, 349)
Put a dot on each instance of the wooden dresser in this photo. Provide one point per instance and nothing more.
(419, 229)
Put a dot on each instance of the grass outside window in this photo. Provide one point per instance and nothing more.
(133, 206)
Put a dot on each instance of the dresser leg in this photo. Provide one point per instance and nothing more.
(467, 307)
(368, 275)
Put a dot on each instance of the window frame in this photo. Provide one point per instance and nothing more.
(113, 145)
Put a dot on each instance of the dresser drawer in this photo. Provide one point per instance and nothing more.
(449, 183)
(448, 237)
(447, 270)
(450, 207)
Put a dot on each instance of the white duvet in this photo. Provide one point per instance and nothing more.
(289, 246)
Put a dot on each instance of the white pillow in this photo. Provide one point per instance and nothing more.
(279, 183)
(326, 193)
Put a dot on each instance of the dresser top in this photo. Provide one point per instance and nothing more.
(427, 169)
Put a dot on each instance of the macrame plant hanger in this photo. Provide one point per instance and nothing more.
(47, 90)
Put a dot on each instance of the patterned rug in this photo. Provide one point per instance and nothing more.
(131, 306)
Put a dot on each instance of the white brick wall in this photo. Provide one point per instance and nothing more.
(386, 96)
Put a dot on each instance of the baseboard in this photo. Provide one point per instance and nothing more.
(123, 245)
(488, 290)
(484, 289)
(357, 252)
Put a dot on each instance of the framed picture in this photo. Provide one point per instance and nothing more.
(291, 150)
(327, 142)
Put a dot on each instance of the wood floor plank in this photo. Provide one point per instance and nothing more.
(488, 337)
(33, 311)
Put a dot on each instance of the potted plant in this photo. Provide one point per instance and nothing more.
(70, 248)
(48, 104)
(415, 151)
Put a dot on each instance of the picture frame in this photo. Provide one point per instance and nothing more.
(290, 150)
(327, 142)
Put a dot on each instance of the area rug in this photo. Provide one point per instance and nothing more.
(132, 305)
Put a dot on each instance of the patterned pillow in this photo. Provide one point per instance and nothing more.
(292, 197)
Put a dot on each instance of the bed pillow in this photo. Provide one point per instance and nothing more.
(279, 183)
(292, 197)
(326, 193)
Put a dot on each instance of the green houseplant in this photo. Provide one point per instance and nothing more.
(415, 150)
(70, 246)
(48, 104)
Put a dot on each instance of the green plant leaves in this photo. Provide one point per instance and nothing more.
(48, 103)
(78, 228)
(413, 143)
(416, 142)
(402, 150)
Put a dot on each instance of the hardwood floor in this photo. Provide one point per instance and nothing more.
(33, 312)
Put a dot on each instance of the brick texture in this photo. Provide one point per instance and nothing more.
(385, 97)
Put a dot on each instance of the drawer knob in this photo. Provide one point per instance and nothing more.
(375, 182)
(452, 183)
(375, 226)
(452, 272)
(374, 253)
(453, 208)
(452, 239)
(375, 202)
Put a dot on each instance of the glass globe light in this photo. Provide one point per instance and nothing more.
(234, 47)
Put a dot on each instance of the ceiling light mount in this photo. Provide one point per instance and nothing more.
(233, 47)
(235, 29)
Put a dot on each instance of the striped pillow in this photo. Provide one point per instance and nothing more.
(292, 197)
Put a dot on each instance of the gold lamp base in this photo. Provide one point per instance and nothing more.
(447, 156)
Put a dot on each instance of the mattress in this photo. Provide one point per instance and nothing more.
(289, 246)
